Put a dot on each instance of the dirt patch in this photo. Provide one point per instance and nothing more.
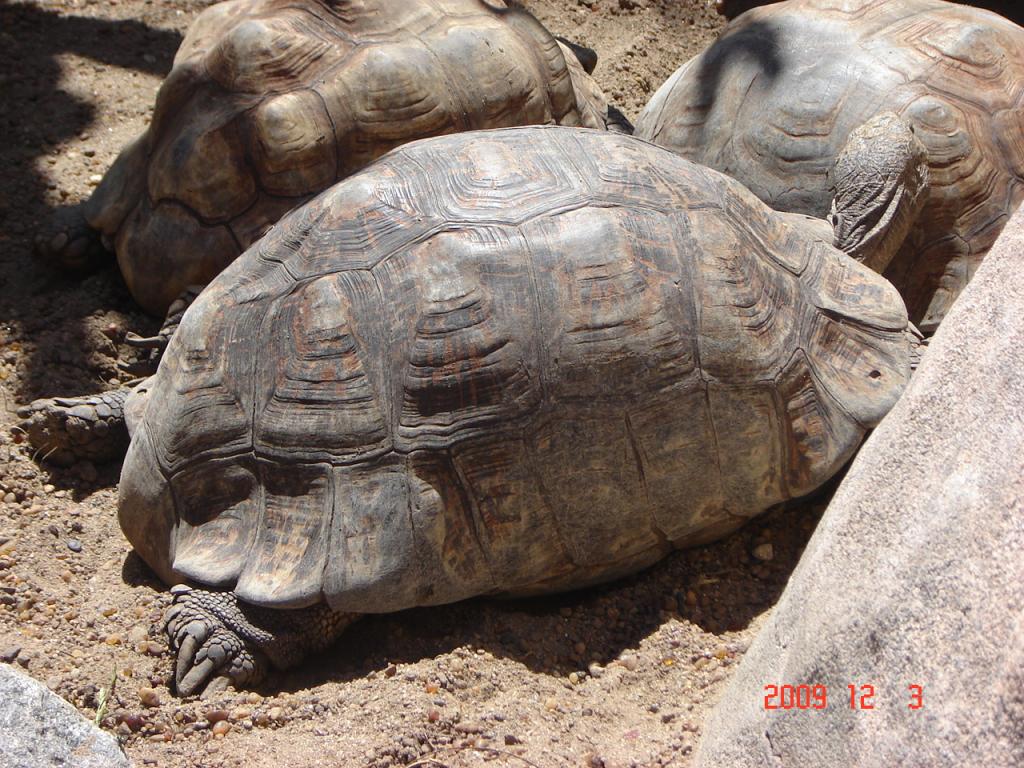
(616, 676)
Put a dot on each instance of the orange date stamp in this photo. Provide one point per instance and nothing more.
(817, 696)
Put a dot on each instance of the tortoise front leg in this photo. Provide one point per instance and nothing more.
(71, 243)
(65, 430)
(157, 344)
(220, 640)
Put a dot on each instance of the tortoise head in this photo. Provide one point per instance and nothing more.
(880, 180)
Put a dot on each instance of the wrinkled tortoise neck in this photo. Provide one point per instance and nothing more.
(880, 180)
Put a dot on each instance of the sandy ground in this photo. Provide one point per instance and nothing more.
(617, 676)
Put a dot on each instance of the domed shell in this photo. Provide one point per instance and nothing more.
(503, 362)
(774, 100)
(271, 101)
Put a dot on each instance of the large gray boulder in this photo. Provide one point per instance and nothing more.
(915, 575)
(38, 728)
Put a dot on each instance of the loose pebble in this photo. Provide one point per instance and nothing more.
(149, 697)
(764, 552)
(217, 715)
(149, 648)
(221, 728)
(74, 545)
(630, 662)
(134, 722)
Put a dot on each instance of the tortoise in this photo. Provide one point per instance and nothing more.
(775, 98)
(271, 101)
(502, 362)
(1011, 9)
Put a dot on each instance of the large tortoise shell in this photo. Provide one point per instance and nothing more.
(502, 361)
(271, 101)
(773, 101)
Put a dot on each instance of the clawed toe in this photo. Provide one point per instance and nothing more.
(145, 342)
(157, 345)
(209, 655)
(153, 348)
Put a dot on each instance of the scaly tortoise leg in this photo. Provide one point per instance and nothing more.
(157, 344)
(65, 430)
(71, 244)
(219, 640)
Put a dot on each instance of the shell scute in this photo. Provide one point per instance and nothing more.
(819, 437)
(324, 400)
(218, 518)
(609, 318)
(284, 566)
(373, 542)
(267, 54)
(466, 365)
(588, 469)
(206, 412)
(390, 91)
(674, 440)
(511, 513)
(295, 144)
(503, 92)
(747, 305)
(203, 165)
(482, 183)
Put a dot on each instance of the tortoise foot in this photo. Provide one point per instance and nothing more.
(66, 430)
(70, 243)
(153, 346)
(206, 631)
(220, 640)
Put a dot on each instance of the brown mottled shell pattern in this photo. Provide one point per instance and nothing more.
(772, 102)
(502, 362)
(271, 101)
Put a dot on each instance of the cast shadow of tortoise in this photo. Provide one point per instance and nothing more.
(52, 308)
